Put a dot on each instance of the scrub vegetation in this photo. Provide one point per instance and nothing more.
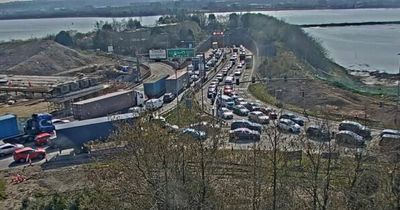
(161, 169)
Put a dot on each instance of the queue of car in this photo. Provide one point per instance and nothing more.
(21, 153)
(350, 134)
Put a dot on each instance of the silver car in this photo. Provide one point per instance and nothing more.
(289, 126)
(7, 149)
(225, 113)
(356, 128)
(258, 117)
(349, 139)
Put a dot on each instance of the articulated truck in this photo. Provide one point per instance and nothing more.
(13, 132)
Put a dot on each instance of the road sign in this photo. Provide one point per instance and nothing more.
(158, 54)
(180, 53)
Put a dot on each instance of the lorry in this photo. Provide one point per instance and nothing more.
(11, 131)
(76, 133)
(106, 104)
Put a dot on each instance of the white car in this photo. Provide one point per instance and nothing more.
(220, 77)
(7, 149)
(237, 72)
(289, 125)
(225, 71)
(225, 113)
(258, 117)
(194, 77)
(154, 104)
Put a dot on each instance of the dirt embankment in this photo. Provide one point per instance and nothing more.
(320, 97)
(40, 57)
(40, 183)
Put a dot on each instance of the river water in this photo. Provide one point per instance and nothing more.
(355, 47)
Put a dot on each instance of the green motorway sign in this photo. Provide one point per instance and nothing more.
(180, 53)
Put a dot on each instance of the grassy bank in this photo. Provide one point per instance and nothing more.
(260, 91)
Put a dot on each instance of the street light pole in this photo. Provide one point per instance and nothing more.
(177, 94)
(203, 72)
(398, 94)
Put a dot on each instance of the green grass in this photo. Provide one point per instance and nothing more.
(259, 91)
(3, 189)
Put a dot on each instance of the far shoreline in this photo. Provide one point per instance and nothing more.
(203, 11)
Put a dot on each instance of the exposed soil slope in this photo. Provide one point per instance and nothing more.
(40, 57)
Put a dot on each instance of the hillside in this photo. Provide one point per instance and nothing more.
(40, 57)
(325, 88)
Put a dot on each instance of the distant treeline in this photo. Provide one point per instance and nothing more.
(121, 8)
(350, 24)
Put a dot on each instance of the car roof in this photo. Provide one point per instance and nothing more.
(314, 126)
(351, 122)
(351, 134)
(391, 131)
(242, 129)
(391, 136)
(5, 145)
(42, 135)
(256, 112)
(285, 120)
(23, 149)
(241, 121)
(289, 114)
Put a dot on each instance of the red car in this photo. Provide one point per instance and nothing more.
(42, 139)
(228, 90)
(26, 153)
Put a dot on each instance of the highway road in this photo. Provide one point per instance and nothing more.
(8, 161)
(242, 91)
(288, 141)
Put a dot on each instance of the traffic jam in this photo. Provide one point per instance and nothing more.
(248, 119)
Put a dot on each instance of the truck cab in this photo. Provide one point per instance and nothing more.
(39, 123)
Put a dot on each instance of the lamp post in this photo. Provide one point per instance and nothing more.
(398, 94)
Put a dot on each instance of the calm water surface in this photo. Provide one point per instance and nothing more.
(355, 47)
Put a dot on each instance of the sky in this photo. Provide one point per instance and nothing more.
(4, 1)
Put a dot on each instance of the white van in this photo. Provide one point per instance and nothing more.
(154, 104)
(229, 80)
